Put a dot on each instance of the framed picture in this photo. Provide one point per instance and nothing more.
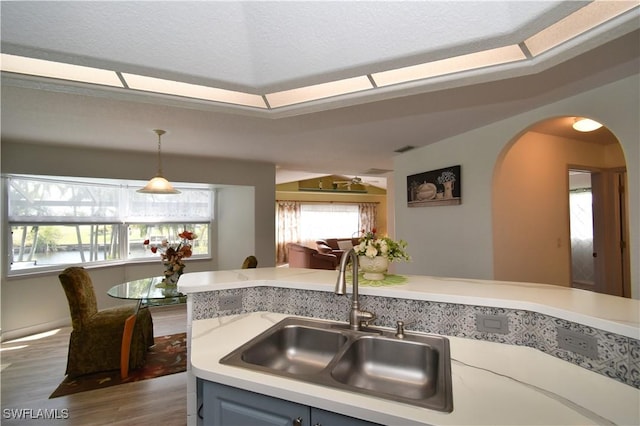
(442, 187)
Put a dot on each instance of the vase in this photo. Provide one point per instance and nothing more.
(374, 268)
(171, 276)
(171, 279)
(170, 291)
(448, 190)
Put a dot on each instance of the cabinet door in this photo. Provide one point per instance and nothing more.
(327, 418)
(228, 406)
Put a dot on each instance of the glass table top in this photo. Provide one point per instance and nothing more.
(150, 291)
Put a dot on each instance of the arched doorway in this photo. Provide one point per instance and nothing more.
(531, 208)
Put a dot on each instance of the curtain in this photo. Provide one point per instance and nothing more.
(287, 228)
(368, 216)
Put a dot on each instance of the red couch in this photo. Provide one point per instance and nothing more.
(332, 246)
(305, 257)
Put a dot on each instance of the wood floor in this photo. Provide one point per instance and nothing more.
(32, 369)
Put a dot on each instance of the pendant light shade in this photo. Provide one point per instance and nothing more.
(158, 184)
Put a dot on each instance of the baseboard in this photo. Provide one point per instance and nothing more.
(582, 285)
(34, 329)
(177, 307)
(41, 328)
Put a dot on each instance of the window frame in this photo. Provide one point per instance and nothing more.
(121, 226)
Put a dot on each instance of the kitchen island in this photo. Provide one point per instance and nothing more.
(514, 374)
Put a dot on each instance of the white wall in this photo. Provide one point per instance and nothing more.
(531, 234)
(236, 212)
(457, 241)
(245, 223)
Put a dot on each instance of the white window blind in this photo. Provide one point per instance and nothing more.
(318, 221)
(38, 199)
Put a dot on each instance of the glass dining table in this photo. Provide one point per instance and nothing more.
(147, 292)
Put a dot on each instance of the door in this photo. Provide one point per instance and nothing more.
(620, 276)
(582, 230)
(225, 405)
(599, 231)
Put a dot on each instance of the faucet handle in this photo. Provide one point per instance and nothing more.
(400, 329)
(365, 317)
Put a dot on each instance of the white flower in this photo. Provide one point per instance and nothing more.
(372, 246)
(371, 252)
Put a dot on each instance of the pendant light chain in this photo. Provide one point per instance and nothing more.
(159, 133)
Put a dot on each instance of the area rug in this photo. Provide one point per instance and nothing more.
(167, 356)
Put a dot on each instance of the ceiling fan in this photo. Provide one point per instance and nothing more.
(353, 181)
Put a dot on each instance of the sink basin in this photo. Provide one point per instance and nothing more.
(415, 370)
(389, 366)
(295, 349)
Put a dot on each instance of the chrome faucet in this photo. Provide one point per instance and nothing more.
(356, 317)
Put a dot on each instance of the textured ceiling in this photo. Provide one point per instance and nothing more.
(266, 46)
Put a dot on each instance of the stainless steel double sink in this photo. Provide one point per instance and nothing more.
(414, 369)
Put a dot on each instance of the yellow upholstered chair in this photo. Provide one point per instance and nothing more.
(250, 262)
(96, 340)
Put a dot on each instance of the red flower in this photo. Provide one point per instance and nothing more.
(172, 254)
(187, 235)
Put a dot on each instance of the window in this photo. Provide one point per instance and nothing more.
(155, 233)
(319, 221)
(581, 229)
(55, 221)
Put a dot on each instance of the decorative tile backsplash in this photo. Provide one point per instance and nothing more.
(618, 356)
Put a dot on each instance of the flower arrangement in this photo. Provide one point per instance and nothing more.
(372, 246)
(446, 176)
(172, 255)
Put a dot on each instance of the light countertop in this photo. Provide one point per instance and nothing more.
(609, 313)
(492, 383)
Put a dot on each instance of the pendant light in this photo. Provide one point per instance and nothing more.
(158, 184)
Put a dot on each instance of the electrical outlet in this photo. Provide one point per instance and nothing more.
(487, 323)
(578, 343)
(230, 303)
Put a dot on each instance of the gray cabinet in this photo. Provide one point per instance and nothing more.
(228, 406)
(327, 418)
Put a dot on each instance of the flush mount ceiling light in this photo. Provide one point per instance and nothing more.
(158, 184)
(586, 125)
